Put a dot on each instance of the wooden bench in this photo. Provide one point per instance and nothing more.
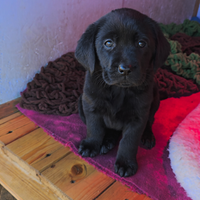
(34, 166)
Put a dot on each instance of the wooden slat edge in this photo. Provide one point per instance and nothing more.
(32, 173)
(10, 117)
(196, 7)
(9, 108)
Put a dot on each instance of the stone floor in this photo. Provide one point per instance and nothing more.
(5, 195)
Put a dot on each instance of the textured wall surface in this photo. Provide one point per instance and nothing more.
(35, 32)
(164, 11)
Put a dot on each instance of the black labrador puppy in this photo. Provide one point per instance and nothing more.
(121, 53)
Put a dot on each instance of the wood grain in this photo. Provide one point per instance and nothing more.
(46, 161)
(69, 169)
(9, 108)
(3, 120)
(14, 124)
(118, 191)
(42, 154)
(34, 146)
(28, 143)
(23, 181)
(36, 162)
(17, 133)
(72, 174)
(91, 187)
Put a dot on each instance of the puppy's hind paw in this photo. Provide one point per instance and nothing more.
(88, 149)
(110, 140)
(106, 147)
(147, 142)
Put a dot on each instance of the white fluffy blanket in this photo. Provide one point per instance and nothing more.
(184, 153)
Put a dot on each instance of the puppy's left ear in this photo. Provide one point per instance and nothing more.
(85, 51)
(162, 47)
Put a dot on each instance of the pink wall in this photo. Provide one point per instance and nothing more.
(165, 11)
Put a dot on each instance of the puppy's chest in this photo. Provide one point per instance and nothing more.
(117, 109)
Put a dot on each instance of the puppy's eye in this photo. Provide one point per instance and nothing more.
(141, 43)
(109, 44)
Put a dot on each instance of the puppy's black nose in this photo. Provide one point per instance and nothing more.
(124, 70)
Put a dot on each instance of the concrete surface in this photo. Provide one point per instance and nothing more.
(5, 195)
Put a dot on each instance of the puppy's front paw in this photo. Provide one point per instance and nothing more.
(125, 167)
(88, 148)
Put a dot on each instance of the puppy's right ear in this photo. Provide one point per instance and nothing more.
(85, 51)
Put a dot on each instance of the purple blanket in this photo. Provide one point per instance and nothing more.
(154, 177)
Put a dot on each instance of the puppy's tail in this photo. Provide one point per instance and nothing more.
(80, 109)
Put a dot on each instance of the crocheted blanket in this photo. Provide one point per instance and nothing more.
(55, 90)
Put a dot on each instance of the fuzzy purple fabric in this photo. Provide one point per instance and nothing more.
(154, 177)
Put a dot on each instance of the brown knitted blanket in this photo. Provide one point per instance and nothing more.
(55, 90)
(189, 44)
(171, 85)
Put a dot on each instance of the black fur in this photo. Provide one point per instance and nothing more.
(121, 51)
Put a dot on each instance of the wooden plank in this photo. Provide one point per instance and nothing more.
(71, 169)
(6, 119)
(17, 133)
(46, 161)
(23, 181)
(118, 191)
(66, 170)
(9, 108)
(14, 124)
(46, 147)
(33, 145)
(42, 154)
(90, 187)
(72, 174)
(29, 142)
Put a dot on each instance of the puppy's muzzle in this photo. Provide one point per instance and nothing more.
(124, 69)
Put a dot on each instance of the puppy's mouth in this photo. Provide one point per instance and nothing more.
(124, 82)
